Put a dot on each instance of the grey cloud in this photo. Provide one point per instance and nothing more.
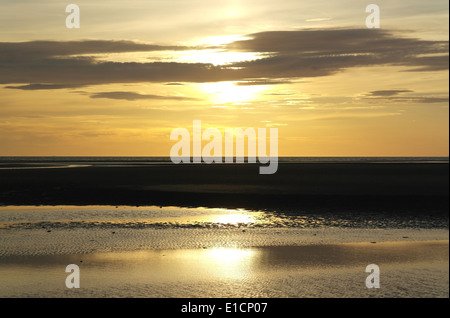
(81, 72)
(413, 100)
(389, 92)
(393, 96)
(31, 87)
(336, 41)
(40, 49)
(262, 82)
(289, 54)
(131, 96)
(428, 63)
(323, 52)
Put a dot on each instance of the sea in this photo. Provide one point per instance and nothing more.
(158, 160)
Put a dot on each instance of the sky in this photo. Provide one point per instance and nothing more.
(136, 70)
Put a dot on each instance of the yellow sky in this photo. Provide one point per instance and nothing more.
(331, 86)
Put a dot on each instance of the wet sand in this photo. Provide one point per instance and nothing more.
(223, 262)
(41, 242)
(407, 269)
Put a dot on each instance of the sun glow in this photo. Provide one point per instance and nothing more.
(216, 56)
(221, 39)
(230, 92)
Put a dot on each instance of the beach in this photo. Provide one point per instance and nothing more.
(164, 231)
(192, 263)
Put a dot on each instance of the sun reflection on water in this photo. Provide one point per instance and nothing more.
(231, 262)
(235, 219)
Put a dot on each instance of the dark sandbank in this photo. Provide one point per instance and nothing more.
(346, 187)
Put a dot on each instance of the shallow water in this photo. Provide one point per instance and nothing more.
(408, 270)
(152, 251)
(107, 217)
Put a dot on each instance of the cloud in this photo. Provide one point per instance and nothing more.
(286, 55)
(358, 116)
(131, 96)
(279, 94)
(309, 53)
(42, 49)
(318, 19)
(32, 87)
(336, 41)
(392, 96)
(262, 82)
(389, 92)
(415, 100)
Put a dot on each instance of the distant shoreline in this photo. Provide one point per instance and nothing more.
(157, 159)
